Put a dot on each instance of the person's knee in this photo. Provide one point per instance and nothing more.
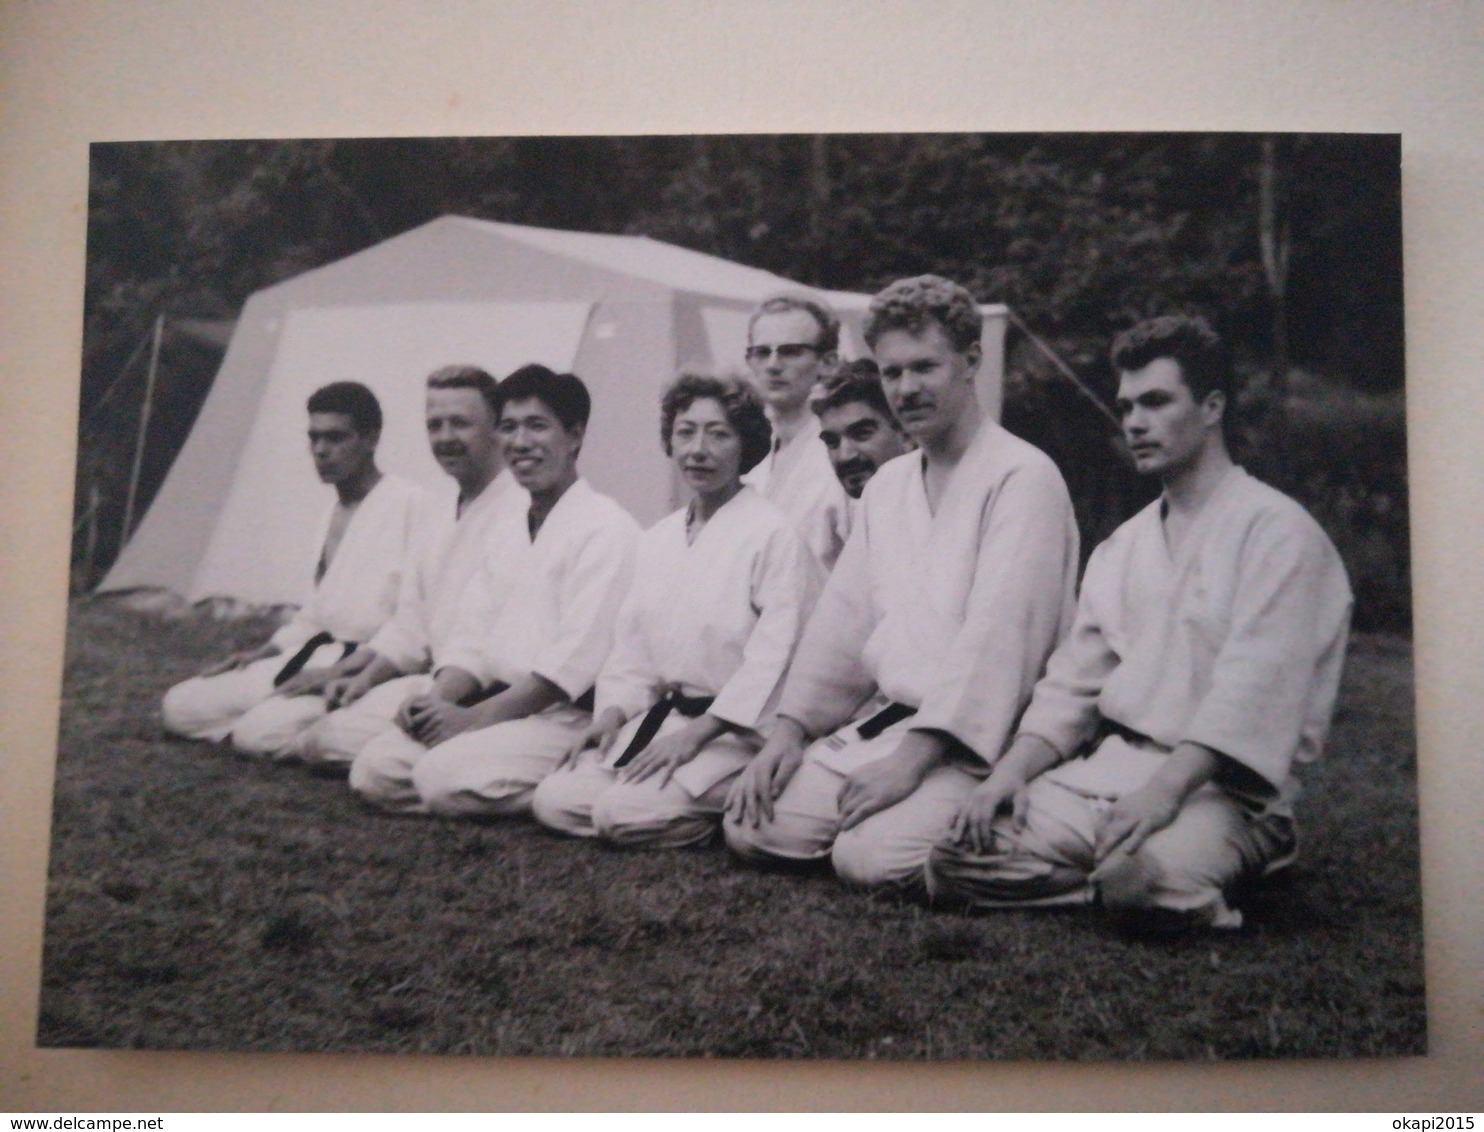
(859, 862)
(315, 744)
(559, 803)
(1142, 895)
(271, 727)
(743, 840)
(1128, 884)
(616, 818)
(943, 873)
(449, 789)
(1005, 875)
(791, 836)
(452, 802)
(181, 708)
(364, 777)
(640, 818)
(1177, 880)
(336, 740)
(875, 862)
(549, 805)
(379, 776)
(432, 782)
(248, 737)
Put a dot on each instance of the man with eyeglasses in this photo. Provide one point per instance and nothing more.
(957, 583)
(791, 344)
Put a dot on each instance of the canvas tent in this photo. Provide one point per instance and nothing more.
(240, 512)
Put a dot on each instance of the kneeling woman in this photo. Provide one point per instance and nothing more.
(721, 591)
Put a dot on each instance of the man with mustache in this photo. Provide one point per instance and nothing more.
(956, 584)
(856, 425)
(373, 522)
(512, 690)
(1153, 768)
(364, 692)
(792, 343)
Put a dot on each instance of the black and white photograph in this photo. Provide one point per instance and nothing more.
(925, 596)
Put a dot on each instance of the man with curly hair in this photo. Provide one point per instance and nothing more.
(1153, 768)
(954, 588)
(792, 343)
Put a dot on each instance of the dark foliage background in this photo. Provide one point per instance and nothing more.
(1291, 243)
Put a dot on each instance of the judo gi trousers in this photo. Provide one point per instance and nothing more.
(1179, 877)
(588, 800)
(241, 704)
(890, 847)
(336, 739)
(491, 772)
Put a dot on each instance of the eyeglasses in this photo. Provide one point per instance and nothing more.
(788, 351)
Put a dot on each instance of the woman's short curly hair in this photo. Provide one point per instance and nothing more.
(743, 411)
(912, 304)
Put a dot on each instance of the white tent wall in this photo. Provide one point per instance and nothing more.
(627, 356)
(266, 538)
(721, 336)
(167, 547)
(191, 543)
(240, 512)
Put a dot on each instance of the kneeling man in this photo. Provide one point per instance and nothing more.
(366, 689)
(503, 708)
(792, 344)
(1152, 768)
(955, 585)
(376, 518)
(856, 425)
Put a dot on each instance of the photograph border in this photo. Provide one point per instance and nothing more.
(152, 844)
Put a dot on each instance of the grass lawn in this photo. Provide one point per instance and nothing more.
(198, 900)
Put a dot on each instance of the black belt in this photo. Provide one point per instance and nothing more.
(688, 706)
(1108, 727)
(479, 695)
(583, 702)
(891, 713)
(301, 658)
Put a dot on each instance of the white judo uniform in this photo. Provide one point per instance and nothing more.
(799, 479)
(717, 619)
(433, 608)
(554, 617)
(353, 599)
(952, 614)
(1236, 644)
